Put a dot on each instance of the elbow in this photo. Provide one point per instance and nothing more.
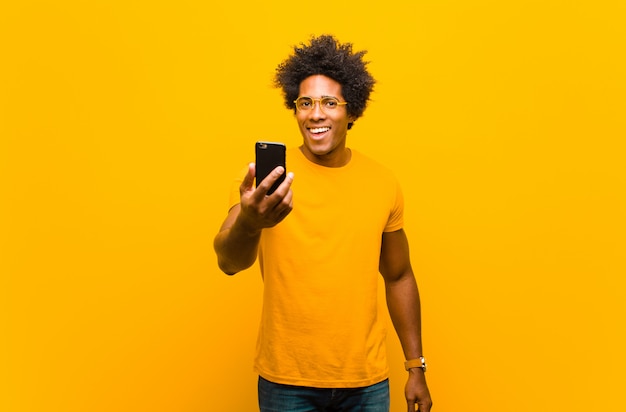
(226, 268)
(232, 267)
(223, 263)
(232, 260)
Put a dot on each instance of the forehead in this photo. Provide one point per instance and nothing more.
(319, 85)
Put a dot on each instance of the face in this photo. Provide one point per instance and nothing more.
(324, 133)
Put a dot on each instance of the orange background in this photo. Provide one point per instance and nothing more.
(122, 124)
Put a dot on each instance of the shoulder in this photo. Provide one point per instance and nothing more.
(370, 165)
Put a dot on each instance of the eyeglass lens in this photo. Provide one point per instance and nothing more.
(326, 103)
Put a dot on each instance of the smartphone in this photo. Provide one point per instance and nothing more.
(269, 155)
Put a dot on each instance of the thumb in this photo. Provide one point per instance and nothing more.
(248, 180)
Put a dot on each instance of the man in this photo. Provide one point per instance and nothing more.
(322, 239)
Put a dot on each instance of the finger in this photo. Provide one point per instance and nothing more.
(286, 205)
(283, 214)
(424, 406)
(285, 187)
(288, 199)
(266, 184)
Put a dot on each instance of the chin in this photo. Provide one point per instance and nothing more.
(319, 150)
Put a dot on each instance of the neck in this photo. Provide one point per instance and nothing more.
(338, 158)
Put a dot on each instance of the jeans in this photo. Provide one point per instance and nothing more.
(274, 397)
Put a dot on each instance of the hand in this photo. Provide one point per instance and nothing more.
(258, 210)
(416, 391)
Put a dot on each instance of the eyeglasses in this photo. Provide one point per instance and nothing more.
(306, 103)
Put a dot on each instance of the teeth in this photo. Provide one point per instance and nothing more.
(320, 130)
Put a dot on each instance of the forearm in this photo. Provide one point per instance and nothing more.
(236, 247)
(403, 303)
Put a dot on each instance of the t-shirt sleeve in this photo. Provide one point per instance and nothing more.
(396, 214)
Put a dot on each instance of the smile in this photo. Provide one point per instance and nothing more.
(319, 129)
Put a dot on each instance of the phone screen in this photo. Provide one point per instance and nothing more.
(269, 155)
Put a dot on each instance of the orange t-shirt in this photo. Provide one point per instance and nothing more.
(321, 325)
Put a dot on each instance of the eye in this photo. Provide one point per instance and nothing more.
(330, 102)
(304, 102)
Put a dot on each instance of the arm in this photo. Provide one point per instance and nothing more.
(237, 242)
(403, 303)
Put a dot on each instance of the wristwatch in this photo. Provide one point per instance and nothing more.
(416, 363)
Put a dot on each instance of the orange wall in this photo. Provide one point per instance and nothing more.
(121, 124)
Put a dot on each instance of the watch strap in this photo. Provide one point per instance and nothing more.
(416, 363)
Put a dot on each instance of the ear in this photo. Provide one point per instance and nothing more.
(351, 120)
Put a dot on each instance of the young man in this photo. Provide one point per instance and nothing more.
(322, 238)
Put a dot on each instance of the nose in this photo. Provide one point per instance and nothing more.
(316, 111)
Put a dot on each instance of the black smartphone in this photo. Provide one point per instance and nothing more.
(269, 155)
